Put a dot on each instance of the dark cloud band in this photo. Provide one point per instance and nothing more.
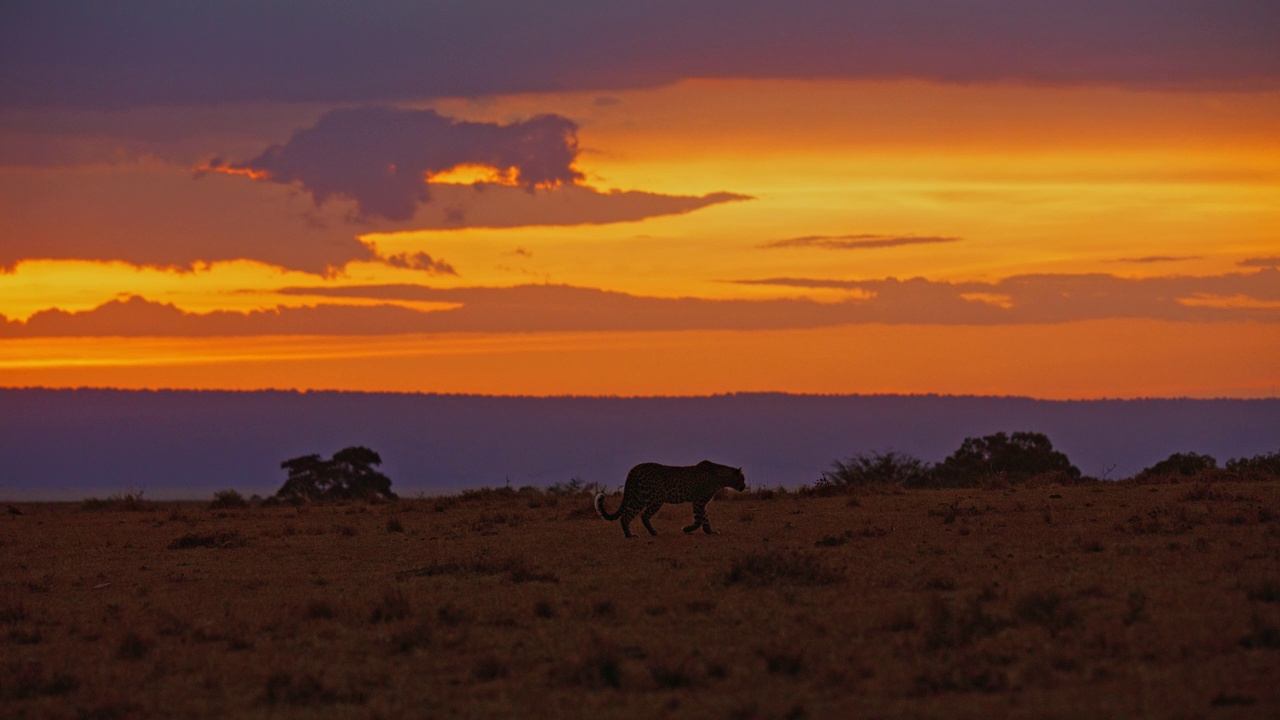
(90, 53)
(1027, 299)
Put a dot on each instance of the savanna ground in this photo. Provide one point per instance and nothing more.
(1087, 600)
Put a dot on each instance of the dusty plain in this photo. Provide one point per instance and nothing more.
(1089, 600)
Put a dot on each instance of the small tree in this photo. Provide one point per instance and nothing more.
(348, 475)
(1016, 457)
(876, 468)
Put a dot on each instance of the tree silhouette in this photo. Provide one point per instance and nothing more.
(1014, 457)
(348, 475)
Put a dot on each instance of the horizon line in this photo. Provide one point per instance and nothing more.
(571, 396)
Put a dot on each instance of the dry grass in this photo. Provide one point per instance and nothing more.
(1050, 601)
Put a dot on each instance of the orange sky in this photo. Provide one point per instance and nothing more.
(1071, 241)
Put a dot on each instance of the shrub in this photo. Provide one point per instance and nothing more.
(575, 486)
(228, 500)
(1012, 458)
(1258, 467)
(129, 502)
(876, 468)
(1178, 465)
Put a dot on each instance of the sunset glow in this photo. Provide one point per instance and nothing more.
(885, 233)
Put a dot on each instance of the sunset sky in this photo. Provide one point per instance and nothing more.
(1057, 200)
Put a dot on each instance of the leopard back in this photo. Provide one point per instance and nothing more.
(676, 484)
(651, 485)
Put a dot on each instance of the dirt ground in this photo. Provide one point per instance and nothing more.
(1091, 600)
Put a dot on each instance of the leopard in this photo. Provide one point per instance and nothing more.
(650, 485)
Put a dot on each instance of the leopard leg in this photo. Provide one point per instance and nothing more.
(650, 511)
(629, 514)
(699, 517)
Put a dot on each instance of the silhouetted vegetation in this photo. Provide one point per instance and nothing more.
(131, 502)
(1012, 458)
(1178, 465)
(997, 458)
(1258, 467)
(876, 468)
(228, 500)
(574, 486)
(348, 475)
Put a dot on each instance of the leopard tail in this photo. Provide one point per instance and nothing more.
(606, 515)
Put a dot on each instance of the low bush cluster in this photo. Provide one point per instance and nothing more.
(1004, 459)
(992, 460)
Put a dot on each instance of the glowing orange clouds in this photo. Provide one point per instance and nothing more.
(250, 173)
(702, 237)
(472, 174)
(1113, 358)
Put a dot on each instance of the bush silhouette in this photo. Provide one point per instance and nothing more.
(1179, 465)
(875, 468)
(348, 475)
(1015, 458)
(1260, 467)
(228, 499)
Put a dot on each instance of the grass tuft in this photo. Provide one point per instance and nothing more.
(392, 607)
(225, 539)
(670, 675)
(761, 569)
(1047, 609)
(283, 688)
(488, 668)
(134, 646)
(597, 666)
(951, 628)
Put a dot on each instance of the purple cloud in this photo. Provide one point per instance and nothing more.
(560, 308)
(1262, 262)
(382, 157)
(419, 261)
(1153, 259)
(1046, 298)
